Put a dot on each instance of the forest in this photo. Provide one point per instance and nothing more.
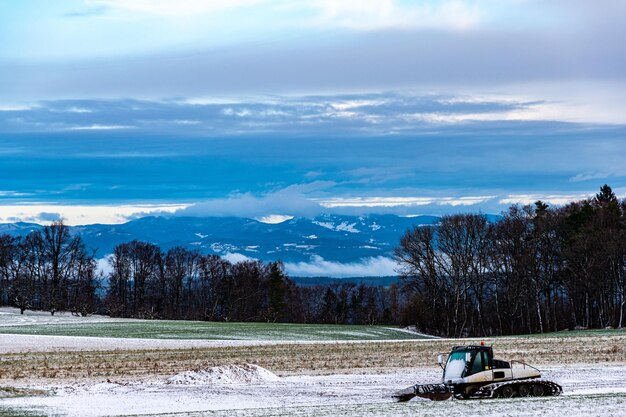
(537, 269)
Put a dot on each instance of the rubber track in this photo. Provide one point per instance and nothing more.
(490, 391)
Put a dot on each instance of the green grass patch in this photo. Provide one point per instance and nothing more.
(165, 329)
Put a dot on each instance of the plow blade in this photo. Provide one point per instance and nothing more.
(435, 392)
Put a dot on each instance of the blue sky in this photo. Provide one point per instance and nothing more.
(111, 109)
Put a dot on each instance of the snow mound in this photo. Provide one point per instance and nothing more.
(228, 374)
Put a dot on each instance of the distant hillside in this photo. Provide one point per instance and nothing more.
(331, 237)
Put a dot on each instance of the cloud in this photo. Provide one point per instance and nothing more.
(49, 217)
(590, 176)
(528, 114)
(103, 266)
(274, 218)
(88, 12)
(82, 214)
(15, 108)
(265, 163)
(179, 8)
(555, 199)
(313, 174)
(291, 200)
(303, 200)
(186, 122)
(405, 42)
(371, 114)
(355, 104)
(318, 266)
(390, 14)
(78, 110)
(236, 258)
(347, 14)
(402, 201)
(4, 193)
(99, 127)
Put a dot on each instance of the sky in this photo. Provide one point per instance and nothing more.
(115, 109)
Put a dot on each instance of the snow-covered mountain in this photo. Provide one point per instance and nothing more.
(334, 238)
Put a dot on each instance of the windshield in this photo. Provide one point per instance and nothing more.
(456, 365)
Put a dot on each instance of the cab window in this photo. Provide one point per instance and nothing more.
(479, 363)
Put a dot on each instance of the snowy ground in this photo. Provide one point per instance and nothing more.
(10, 316)
(358, 378)
(65, 324)
(16, 343)
(589, 390)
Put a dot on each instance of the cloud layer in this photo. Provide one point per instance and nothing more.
(367, 267)
(107, 48)
(301, 155)
(370, 114)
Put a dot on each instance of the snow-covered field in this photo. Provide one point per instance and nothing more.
(357, 379)
(589, 390)
(65, 324)
(16, 343)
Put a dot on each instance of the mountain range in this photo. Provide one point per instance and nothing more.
(333, 237)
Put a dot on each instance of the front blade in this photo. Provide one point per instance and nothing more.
(434, 392)
(404, 395)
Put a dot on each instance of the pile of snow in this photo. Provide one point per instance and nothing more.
(228, 374)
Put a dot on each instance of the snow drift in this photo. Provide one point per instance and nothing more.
(227, 374)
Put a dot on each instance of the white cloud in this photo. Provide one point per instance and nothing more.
(387, 14)
(211, 100)
(384, 113)
(235, 258)
(482, 99)
(575, 112)
(4, 193)
(402, 201)
(576, 101)
(564, 101)
(464, 201)
(530, 112)
(291, 200)
(99, 127)
(556, 199)
(229, 111)
(76, 110)
(103, 266)
(367, 267)
(274, 218)
(186, 122)
(348, 14)
(375, 201)
(298, 200)
(82, 214)
(15, 107)
(168, 8)
(353, 104)
(561, 102)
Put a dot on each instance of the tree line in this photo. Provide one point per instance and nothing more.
(181, 284)
(51, 270)
(538, 269)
